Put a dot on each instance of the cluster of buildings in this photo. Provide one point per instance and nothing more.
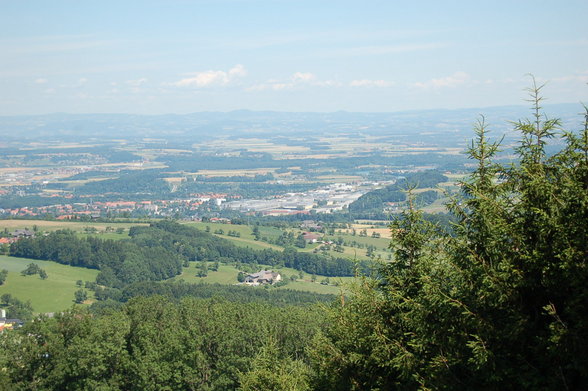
(19, 176)
(323, 200)
(16, 235)
(103, 208)
(262, 278)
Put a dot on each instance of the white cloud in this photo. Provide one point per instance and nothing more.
(579, 77)
(297, 80)
(237, 71)
(302, 77)
(136, 83)
(281, 86)
(328, 83)
(41, 81)
(458, 78)
(371, 83)
(211, 78)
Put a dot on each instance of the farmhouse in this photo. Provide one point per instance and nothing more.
(311, 237)
(23, 233)
(262, 277)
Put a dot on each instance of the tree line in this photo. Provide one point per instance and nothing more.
(158, 252)
(176, 290)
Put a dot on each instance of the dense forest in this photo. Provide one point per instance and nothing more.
(155, 344)
(175, 290)
(500, 304)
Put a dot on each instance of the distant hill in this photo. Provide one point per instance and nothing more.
(375, 200)
(424, 124)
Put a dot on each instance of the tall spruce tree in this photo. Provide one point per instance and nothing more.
(501, 304)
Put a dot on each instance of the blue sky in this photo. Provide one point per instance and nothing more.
(179, 56)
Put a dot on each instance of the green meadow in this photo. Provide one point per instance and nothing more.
(77, 226)
(246, 239)
(56, 293)
(227, 275)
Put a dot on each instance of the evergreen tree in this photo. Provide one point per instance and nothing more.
(500, 304)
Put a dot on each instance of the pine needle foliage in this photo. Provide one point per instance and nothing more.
(501, 304)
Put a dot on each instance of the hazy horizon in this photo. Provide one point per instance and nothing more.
(521, 106)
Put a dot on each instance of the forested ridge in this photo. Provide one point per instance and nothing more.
(374, 201)
(502, 303)
(159, 251)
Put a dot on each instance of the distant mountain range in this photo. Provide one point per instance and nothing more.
(244, 123)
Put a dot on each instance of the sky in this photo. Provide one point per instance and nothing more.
(180, 56)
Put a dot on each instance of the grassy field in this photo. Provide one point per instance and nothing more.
(380, 243)
(227, 275)
(56, 293)
(77, 226)
(306, 284)
(244, 230)
(246, 239)
(348, 252)
(256, 245)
